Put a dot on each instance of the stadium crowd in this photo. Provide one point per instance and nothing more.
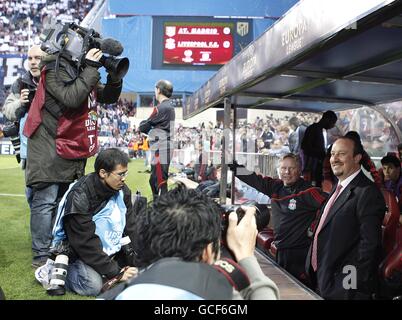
(289, 188)
(18, 17)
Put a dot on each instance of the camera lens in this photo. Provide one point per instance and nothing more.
(58, 277)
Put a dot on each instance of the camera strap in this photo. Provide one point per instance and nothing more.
(233, 272)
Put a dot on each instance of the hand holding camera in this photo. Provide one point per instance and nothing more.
(241, 237)
(24, 96)
(128, 272)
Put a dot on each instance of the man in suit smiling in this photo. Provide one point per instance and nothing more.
(346, 248)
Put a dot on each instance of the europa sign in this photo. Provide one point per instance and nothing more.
(197, 44)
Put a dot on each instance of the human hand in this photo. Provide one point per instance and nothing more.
(94, 54)
(241, 237)
(129, 272)
(24, 96)
(233, 166)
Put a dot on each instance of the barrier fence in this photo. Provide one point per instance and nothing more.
(262, 163)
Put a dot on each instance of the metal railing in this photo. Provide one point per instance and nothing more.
(261, 163)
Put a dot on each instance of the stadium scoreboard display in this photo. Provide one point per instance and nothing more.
(202, 43)
(198, 44)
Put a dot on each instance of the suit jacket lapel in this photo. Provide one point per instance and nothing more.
(342, 198)
(339, 202)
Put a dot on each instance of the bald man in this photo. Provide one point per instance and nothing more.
(17, 105)
(18, 101)
(19, 96)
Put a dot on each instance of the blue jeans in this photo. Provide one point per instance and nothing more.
(83, 280)
(43, 203)
(28, 195)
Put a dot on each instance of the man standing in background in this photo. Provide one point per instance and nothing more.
(160, 127)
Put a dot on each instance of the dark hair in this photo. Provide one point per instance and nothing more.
(400, 146)
(293, 121)
(180, 223)
(108, 159)
(166, 87)
(391, 159)
(330, 115)
(358, 148)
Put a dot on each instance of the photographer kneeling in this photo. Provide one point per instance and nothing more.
(177, 243)
(96, 220)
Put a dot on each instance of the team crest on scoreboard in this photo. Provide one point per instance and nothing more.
(242, 28)
(170, 31)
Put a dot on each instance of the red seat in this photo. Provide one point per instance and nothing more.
(265, 238)
(392, 265)
(390, 222)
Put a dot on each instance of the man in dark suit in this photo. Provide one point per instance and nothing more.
(346, 249)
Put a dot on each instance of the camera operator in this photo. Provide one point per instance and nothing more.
(294, 207)
(98, 225)
(59, 121)
(177, 240)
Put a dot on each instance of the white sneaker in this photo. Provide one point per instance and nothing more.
(43, 273)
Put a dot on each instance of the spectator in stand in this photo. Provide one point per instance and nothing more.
(391, 167)
(296, 137)
(400, 151)
(314, 146)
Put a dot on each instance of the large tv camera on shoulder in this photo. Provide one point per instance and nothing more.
(74, 42)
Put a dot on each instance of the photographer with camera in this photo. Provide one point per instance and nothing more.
(295, 204)
(62, 122)
(17, 104)
(16, 108)
(177, 243)
(94, 228)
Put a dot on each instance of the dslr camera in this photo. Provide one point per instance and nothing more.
(262, 215)
(12, 131)
(58, 275)
(74, 42)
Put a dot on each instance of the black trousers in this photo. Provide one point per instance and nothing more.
(160, 163)
(293, 260)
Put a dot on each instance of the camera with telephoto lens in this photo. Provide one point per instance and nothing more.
(59, 272)
(12, 131)
(262, 215)
(74, 42)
